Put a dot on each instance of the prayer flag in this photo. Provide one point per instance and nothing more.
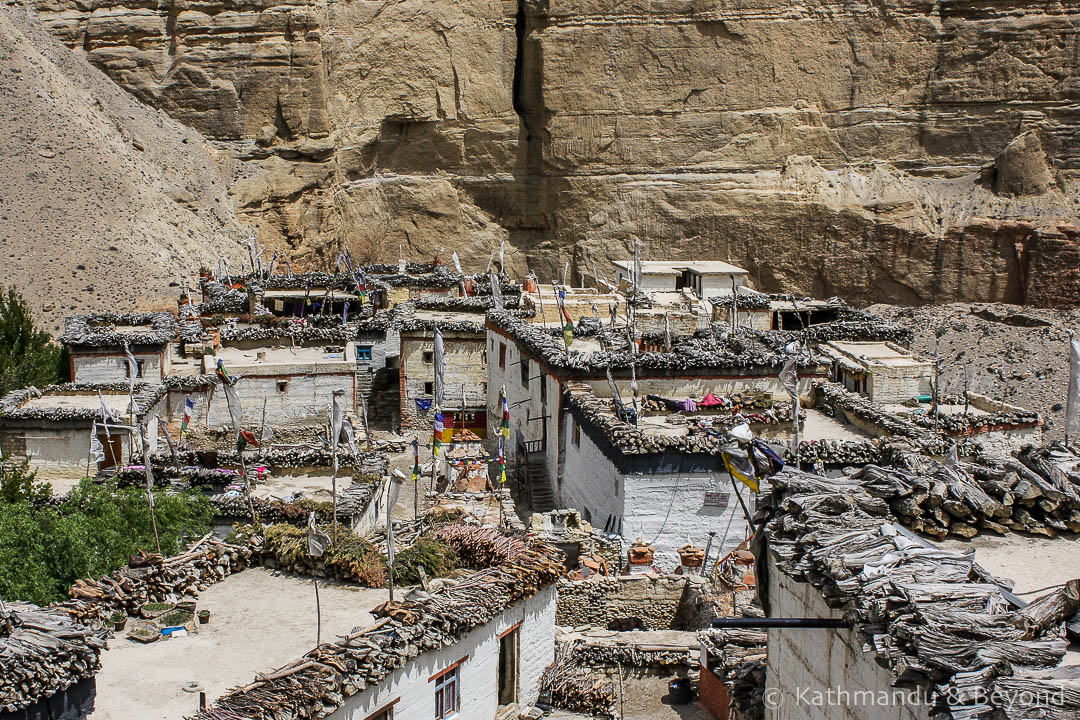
(438, 357)
(97, 450)
(416, 460)
(223, 375)
(740, 469)
(1072, 404)
(189, 411)
(438, 428)
(496, 291)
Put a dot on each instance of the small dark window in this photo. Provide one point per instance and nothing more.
(577, 435)
(502, 356)
(139, 364)
(429, 356)
(524, 372)
(543, 389)
(429, 388)
(282, 386)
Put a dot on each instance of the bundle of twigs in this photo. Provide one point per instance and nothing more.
(576, 688)
(42, 652)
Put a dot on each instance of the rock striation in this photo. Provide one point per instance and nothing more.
(904, 152)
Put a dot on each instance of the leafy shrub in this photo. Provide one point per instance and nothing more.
(436, 556)
(44, 549)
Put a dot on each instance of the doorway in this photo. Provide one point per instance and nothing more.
(113, 448)
(508, 667)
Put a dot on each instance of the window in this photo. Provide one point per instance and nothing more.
(139, 364)
(469, 417)
(429, 388)
(363, 353)
(577, 434)
(385, 713)
(446, 694)
(282, 387)
(543, 389)
(524, 373)
(429, 356)
(502, 356)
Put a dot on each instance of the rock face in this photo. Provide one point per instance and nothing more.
(828, 148)
(104, 200)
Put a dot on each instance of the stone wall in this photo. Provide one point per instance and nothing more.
(656, 599)
(464, 368)
(107, 367)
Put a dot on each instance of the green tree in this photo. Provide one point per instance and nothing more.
(17, 482)
(93, 531)
(27, 355)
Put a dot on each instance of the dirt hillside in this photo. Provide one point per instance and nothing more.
(1010, 352)
(104, 200)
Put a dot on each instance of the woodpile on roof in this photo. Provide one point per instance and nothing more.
(11, 405)
(933, 617)
(42, 652)
(734, 352)
(99, 330)
(319, 683)
(1037, 492)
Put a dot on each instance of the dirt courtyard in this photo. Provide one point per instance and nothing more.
(259, 621)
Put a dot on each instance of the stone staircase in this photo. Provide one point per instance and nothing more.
(536, 478)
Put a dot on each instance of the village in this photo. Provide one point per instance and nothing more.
(655, 492)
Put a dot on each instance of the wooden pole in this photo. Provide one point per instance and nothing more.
(247, 484)
(262, 429)
(150, 491)
(735, 487)
(318, 614)
(390, 539)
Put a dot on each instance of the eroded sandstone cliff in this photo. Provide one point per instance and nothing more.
(902, 151)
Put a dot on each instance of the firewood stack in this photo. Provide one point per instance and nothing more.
(320, 682)
(128, 589)
(42, 652)
(737, 656)
(934, 618)
(1038, 492)
(577, 688)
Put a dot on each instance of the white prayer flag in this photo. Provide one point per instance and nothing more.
(439, 381)
(1072, 404)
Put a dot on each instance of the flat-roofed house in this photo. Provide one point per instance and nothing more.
(96, 344)
(882, 371)
(704, 278)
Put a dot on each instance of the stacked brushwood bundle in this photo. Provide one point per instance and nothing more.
(748, 690)
(576, 688)
(842, 452)
(637, 655)
(42, 652)
(152, 579)
(188, 476)
(480, 547)
(737, 657)
(1037, 492)
(351, 503)
(320, 682)
(933, 617)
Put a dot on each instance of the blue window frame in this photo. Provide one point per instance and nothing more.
(363, 353)
(446, 694)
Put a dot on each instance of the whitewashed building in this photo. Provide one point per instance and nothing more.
(473, 649)
(704, 278)
(882, 371)
(52, 426)
(96, 345)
